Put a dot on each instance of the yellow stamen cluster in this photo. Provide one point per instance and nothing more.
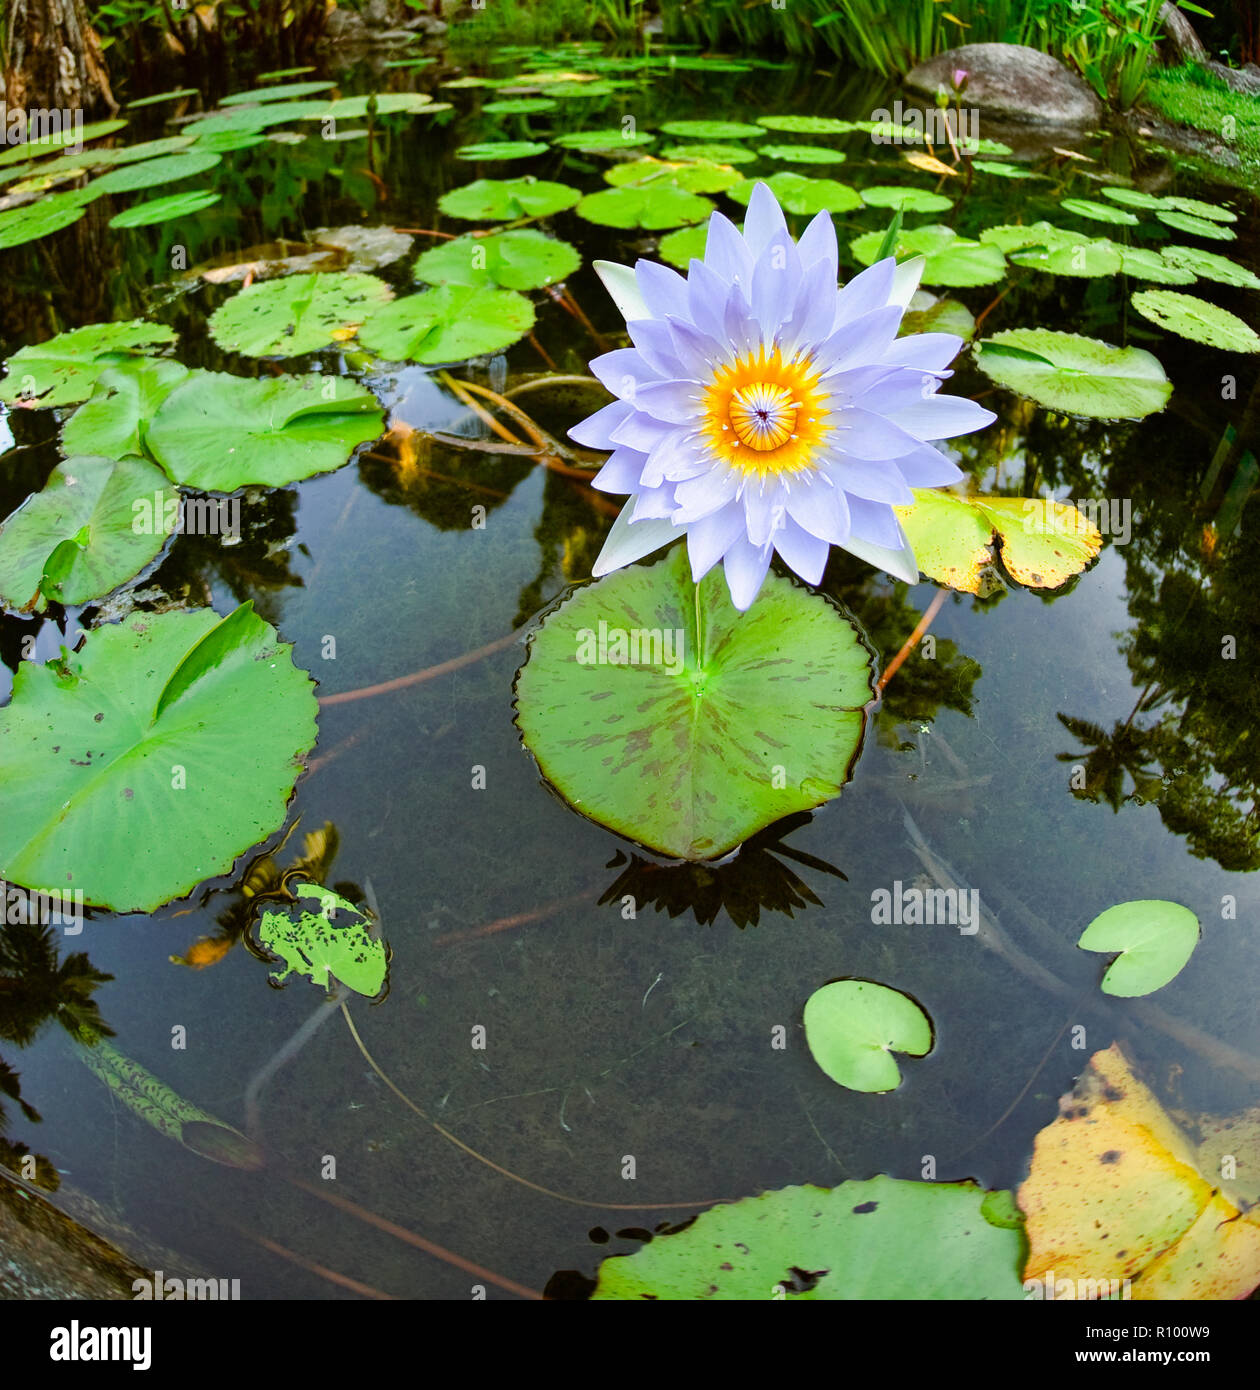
(765, 415)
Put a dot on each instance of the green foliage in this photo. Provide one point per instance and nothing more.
(1154, 940)
(854, 1026)
(712, 724)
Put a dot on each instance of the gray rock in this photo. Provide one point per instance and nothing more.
(1012, 82)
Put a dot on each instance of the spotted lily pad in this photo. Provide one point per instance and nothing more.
(63, 370)
(691, 751)
(524, 259)
(1211, 266)
(150, 173)
(146, 762)
(802, 154)
(1154, 939)
(118, 512)
(1195, 226)
(907, 199)
(167, 209)
(114, 421)
(324, 937)
(1099, 212)
(696, 176)
(955, 539)
(504, 200)
(1075, 374)
(801, 193)
(854, 1026)
(653, 206)
(219, 432)
(885, 1238)
(448, 324)
(300, 314)
(1197, 319)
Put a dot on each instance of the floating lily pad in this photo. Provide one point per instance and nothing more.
(63, 370)
(146, 762)
(1154, 939)
(298, 314)
(1196, 207)
(168, 209)
(1071, 254)
(885, 1238)
(854, 1026)
(1210, 266)
(714, 130)
(219, 433)
(519, 106)
(1143, 263)
(149, 173)
(951, 260)
(35, 221)
(697, 177)
(680, 248)
(1001, 169)
(603, 141)
(710, 153)
(524, 259)
(114, 421)
(678, 749)
(325, 938)
(1075, 374)
(159, 97)
(1195, 226)
(122, 509)
(654, 206)
(58, 140)
(1099, 212)
(504, 200)
(1134, 198)
(283, 91)
(1197, 319)
(907, 199)
(802, 154)
(223, 141)
(956, 540)
(800, 193)
(928, 314)
(807, 125)
(448, 324)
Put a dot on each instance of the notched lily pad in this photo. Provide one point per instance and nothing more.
(1155, 940)
(1075, 374)
(854, 1026)
(690, 752)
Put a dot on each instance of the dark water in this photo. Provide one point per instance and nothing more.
(651, 1037)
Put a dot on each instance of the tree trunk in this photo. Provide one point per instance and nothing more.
(54, 59)
(1181, 34)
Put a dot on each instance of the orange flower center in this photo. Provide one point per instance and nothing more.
(765, 416)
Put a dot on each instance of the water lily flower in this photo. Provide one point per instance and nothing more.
(764, 409)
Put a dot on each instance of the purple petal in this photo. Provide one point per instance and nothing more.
(711, 537)
(862, 434)
(596, 430)
(763, 221)
(859, 342)
(726, 253)
(865, 293)
(820, 508)
(899, 563)
(639, 431)
(943, 417)
(653, 339)
(623, 372)
(932, 352)
(664, 291)
(817, 245)
(875, 523)
(745, 567)
(675, 401)
(628, 542)
(804, 554)
(621, 472)
(878, 482)
(928, 467)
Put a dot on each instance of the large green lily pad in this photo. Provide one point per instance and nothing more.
(1075, 374)
(504, 200)
(801, 193)
(219, 432)
(145, 763)
(300, 314)
(64, 369)
(524, 259)
(885, 1238)
(691, 750)
(114, 421)
(1154, 939)
(654, 206)
(448, 324)
(127, 508)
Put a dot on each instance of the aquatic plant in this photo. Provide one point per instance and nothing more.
(762, 411)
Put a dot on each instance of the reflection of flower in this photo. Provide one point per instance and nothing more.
(761, 410)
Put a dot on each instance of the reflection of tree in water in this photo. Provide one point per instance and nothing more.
(1189, 743)
(254, 567)
(37, 988)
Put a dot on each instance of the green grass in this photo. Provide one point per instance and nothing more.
(1190, 96)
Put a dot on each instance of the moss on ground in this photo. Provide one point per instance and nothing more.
(1191, 96)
